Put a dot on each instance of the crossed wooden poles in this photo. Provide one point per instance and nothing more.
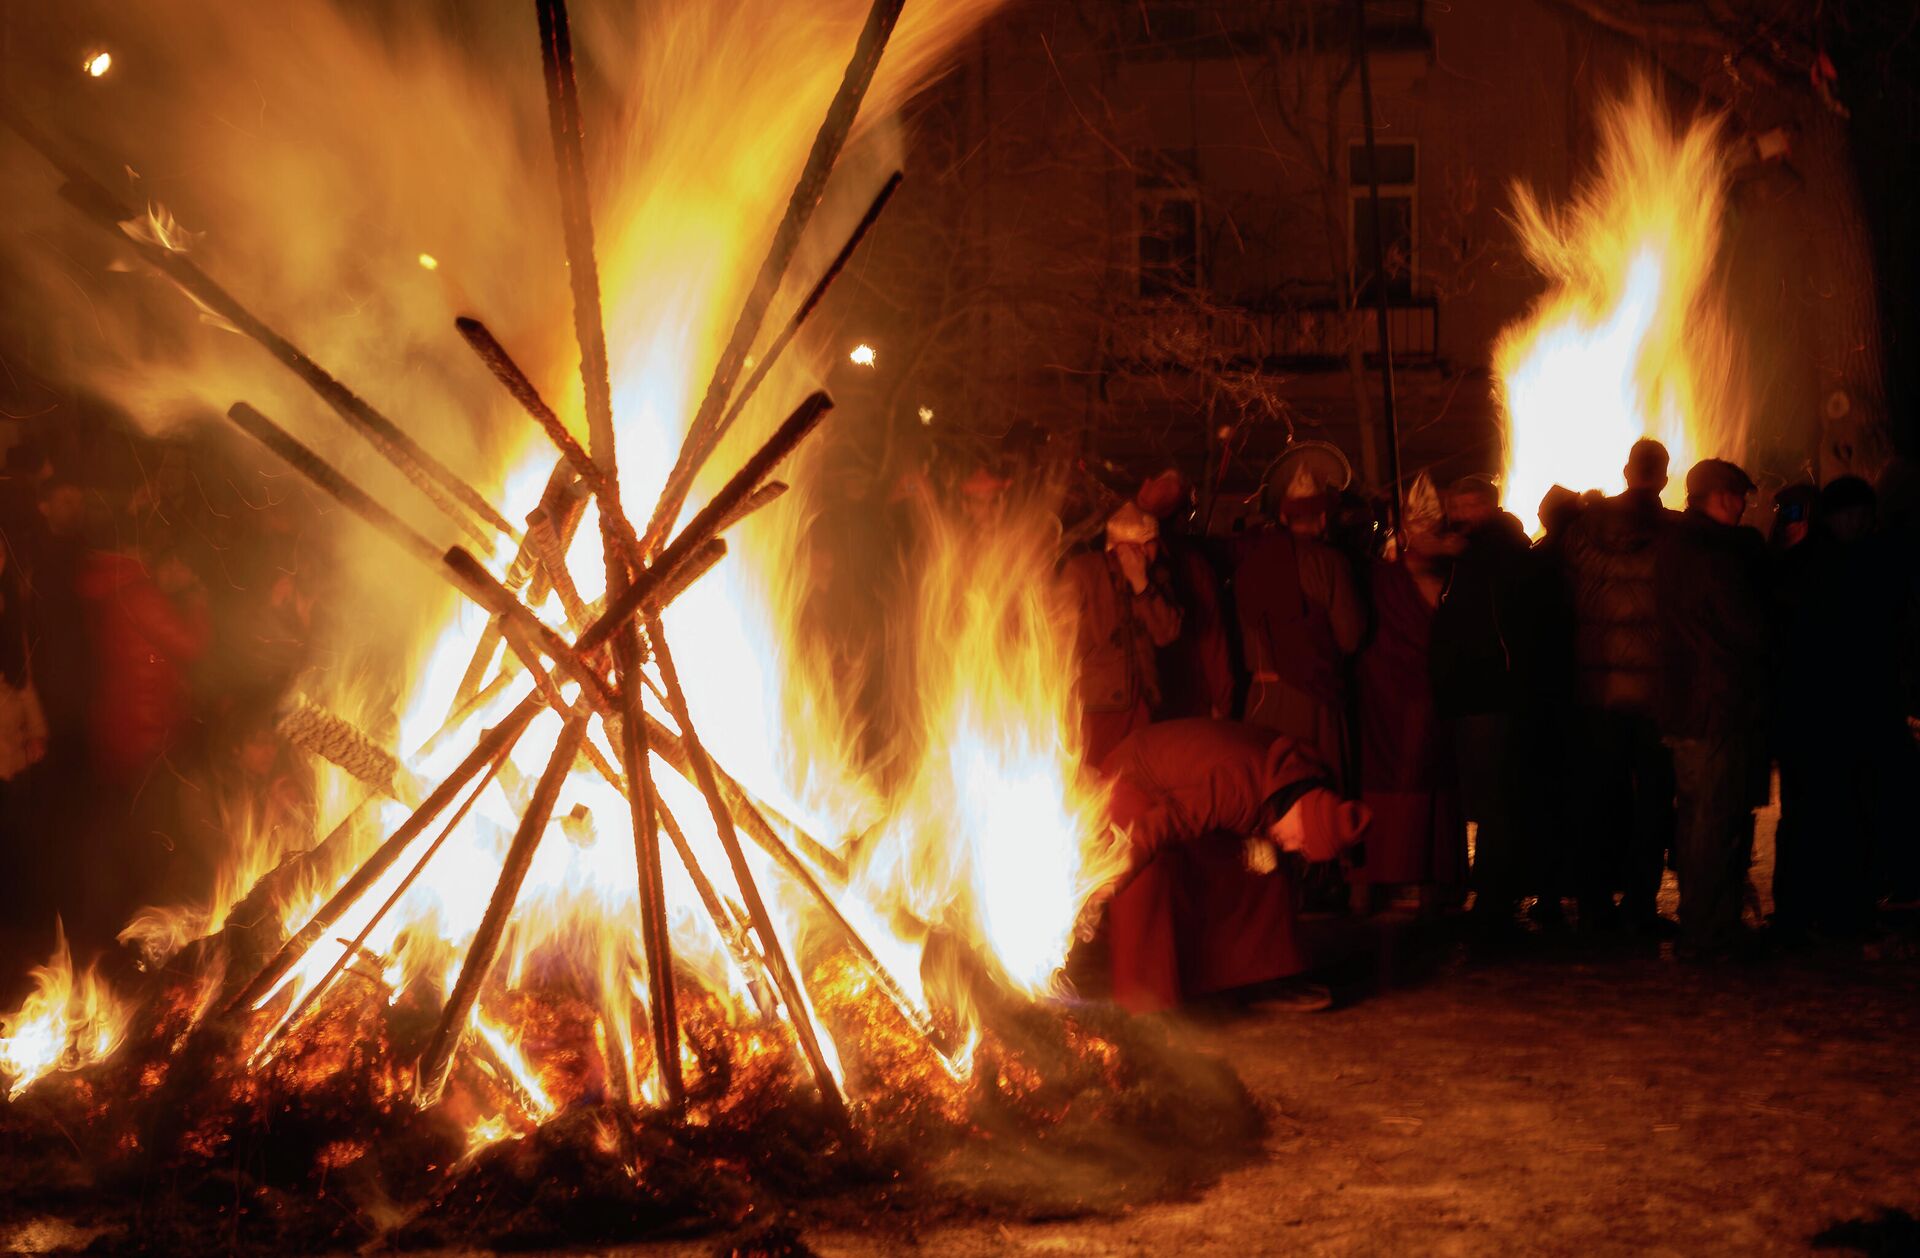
(612, 643)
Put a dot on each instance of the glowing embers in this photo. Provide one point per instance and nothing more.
(1632, 337)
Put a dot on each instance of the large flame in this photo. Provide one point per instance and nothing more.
(1632, 337)
(987, 836)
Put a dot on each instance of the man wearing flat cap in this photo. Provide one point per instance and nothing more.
(1713, 699)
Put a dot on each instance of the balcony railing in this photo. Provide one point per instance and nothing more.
(1212, 28)
(1312, 336)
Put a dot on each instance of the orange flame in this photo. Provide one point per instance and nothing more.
(69, 1022)
(1632, 337)
(987, 833)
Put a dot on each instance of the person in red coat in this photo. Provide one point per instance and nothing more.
(1204, 808)
(147, 630)
(1125, 611)
(1418, 838)
(1300, 620)
(1196, 668)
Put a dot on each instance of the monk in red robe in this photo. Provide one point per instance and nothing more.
(1417, 843)
(1196, 668)
(1125, 608)
(1300, 619)
(1206, 808)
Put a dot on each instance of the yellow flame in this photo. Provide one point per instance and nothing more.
(977, 826)
(68, 1022)
(505, 1047)
(1632, 337)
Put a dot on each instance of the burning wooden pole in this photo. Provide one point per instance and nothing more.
(508, 373)
(701, 444)
(432, 477)
(437, 1061)
(752, 966)
(798, 1013)
(589, 328)
(468, 574)
(560, 499)
(491, 744)
(359, 941)
(821, 159)
(702, 528)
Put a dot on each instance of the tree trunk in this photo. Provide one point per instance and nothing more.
(1854, 437)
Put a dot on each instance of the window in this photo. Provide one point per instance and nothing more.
(1399, 220)
(1167, 215)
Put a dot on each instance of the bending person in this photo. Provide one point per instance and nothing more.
(1205, 809)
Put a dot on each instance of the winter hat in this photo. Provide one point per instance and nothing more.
(1131, 526)
(1332, 824)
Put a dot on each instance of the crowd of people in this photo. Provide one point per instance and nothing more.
(1496, 724)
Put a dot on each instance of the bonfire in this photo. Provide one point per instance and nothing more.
(582, 962)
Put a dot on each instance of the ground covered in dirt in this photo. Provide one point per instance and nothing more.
(1569, 1102)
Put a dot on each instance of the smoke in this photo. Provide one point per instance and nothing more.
(358, 174)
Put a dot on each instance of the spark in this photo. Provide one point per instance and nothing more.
(429, 262)
(926, 414)
(98, 64)
(863, 355)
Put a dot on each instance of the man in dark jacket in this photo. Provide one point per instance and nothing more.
(1482, 646)
(1624, 782)
(1708, 578)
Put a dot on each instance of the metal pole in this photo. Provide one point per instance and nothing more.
(1378, 260)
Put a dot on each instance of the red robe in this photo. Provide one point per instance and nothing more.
(142, 646)
(1417, 833)
(1300, 618)
(1193, 919)
(1118, 633)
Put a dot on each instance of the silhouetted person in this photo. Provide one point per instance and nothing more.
(1482, 644)
(1556, 775)
(1846, 773)
(1624, 780)
(1713, 698)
